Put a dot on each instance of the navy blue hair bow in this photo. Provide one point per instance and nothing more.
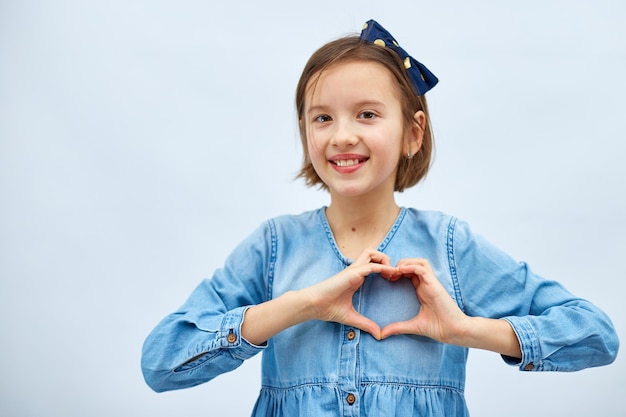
(421, 78)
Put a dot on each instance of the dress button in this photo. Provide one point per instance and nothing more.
(232, 338)
(529, 367)
(351, 335)
(350, 399)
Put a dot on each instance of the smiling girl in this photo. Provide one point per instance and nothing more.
(365, 308)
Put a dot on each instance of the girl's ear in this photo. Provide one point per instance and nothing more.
(415, 134)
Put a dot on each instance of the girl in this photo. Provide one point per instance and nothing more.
(364, 307)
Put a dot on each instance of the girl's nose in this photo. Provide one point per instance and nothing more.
(344, 135)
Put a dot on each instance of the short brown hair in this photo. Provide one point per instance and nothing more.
(350, 49)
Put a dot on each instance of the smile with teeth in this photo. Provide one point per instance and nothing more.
(347, 162)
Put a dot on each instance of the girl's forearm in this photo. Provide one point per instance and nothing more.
(495, 335)
(267, 319)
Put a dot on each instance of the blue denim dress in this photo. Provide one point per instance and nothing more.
(327, 369)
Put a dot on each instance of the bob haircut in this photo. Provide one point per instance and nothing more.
(350, 49)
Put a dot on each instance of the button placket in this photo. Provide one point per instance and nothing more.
(349, 374)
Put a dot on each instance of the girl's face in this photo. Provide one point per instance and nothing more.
(355, 129)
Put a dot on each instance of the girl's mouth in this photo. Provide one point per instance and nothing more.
(347, 162)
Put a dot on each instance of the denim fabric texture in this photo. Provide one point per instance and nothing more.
(327, 369)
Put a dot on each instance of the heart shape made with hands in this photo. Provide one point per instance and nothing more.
(419, 301)
(388, 302)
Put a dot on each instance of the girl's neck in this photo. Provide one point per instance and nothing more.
(359, 224)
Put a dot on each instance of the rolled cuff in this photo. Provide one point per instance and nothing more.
(230, 335)
(529, 345)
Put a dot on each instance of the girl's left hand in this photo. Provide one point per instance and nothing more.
(439, 317)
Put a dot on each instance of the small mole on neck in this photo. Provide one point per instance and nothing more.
(354, 229)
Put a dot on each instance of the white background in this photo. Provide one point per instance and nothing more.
(141, 140)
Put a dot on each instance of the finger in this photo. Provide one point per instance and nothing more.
(386, 270)
(406, 261)
(421, 276)
(380, 258)
(391, 273)
(393, 276)
(413, 261)
(371, 255)
(357, 275)
(419, 269)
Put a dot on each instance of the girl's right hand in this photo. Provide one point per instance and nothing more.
(331, 299)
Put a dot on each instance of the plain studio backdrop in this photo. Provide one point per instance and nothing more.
(140, 141)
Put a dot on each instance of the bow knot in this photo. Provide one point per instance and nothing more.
(421, 78)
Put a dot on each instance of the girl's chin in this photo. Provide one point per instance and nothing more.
(356, 191)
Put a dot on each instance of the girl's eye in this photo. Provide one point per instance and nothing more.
(322, 118)
(367, 115)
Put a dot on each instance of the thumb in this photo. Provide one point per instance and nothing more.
(367, 325)
(399, 327)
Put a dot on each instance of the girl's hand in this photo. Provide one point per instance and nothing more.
(439, 317)
(331, 300)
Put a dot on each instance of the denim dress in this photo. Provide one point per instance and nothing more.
(322, 368)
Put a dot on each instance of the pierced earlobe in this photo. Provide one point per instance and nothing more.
(409, 155)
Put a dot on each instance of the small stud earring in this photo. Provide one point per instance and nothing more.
(409, 155)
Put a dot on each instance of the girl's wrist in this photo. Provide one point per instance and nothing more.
(303, 307)
(305, 304)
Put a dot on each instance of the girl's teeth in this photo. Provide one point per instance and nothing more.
(347, 162)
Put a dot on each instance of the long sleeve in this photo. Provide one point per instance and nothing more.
(202, 339)
(557, 331)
